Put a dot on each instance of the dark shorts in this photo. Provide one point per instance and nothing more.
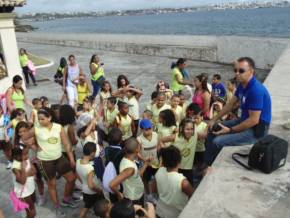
(199, 158)
(60, 166)
(149, 172)
(4, 145)
(90, 200)
(30, 200)
(139, 202)
(188, 174)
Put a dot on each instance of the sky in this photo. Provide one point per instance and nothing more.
(107, 5)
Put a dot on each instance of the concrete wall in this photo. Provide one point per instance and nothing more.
(10, 50)
(223, 49)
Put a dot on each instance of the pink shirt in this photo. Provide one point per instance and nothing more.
(198, 99)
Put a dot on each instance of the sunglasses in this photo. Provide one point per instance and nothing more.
(240, 70)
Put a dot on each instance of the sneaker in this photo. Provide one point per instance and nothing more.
(41, 200)
(9, 165)
(70, 204)
(77, 197)
(59, 213)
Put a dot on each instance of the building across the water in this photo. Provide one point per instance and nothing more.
(9, 61)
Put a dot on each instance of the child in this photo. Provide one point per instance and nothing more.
(160, 105)
(232, 86)
(88, 107)
(147, 114)
(16, 116)
(88, 133)
(153, 100)
(91, 189)
(218, 88)
(124, 121)
(45, 102)
(130, 176)
(186, 141)
(110, 114)
(167, 127)
(173, 188)
(102, 208)
(4, 145)
(148, 141)
(21, 129)
(37, 105)
(83, 88)
(133, 96)
(164, 88)
(216, 108)
(201, 129)
(106, 92)
(23, 178)
(175, 100)
(183, 103)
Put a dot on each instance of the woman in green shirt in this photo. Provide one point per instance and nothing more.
(23, 57)
(178, 81)
(98, 74)
(15, 95)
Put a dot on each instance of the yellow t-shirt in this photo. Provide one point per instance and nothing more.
(134, 108)
(104, 97)
(124, 123)
(133, 186)
(83, 92)
(187, 150)
(155, 110)
(175, 86)
(200, 128)
(184, 107)
(178, 112)
(110, 117)
(18, 99)
(49, 141)
(36, 122)
(149, 148)
(15, 122)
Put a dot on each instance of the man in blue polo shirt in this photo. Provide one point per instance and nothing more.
(255, 104)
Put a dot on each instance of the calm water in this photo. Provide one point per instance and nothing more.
(274, 22)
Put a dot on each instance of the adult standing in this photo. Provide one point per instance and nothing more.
(50, 137)
(98, 74)
(256, 107)
(15, 95)
(71, 80)
(202, 94)
(24, 60)
(178, 81)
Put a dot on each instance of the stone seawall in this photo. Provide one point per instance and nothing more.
(221, 49)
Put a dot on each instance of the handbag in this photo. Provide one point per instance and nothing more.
(266, 155)
(18, 204)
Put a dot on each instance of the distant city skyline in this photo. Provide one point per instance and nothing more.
(34, 6)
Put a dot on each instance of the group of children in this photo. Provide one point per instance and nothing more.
(155, 156)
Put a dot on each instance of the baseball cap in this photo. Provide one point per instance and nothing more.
(146, 124)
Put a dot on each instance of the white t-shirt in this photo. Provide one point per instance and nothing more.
(169, 185)
(23, 191)
(83, 171)
(134, 108)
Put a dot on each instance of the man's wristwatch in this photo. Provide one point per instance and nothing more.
(231, 130)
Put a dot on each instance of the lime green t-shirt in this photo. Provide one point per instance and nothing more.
(23, 60)
(187, 150)
(175, 86)
(100, 72)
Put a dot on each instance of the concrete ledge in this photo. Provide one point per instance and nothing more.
(230, 191)
(222, 49)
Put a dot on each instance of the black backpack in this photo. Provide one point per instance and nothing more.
(266, 155)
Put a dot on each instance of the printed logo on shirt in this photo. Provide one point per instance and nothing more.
(52, 140)
(185, 152)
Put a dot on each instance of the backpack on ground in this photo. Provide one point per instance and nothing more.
(266, 155)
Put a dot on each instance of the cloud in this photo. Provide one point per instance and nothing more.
(105, 5)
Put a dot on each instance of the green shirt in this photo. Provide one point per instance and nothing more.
(100, 72)
(23, 60)
(175, 86)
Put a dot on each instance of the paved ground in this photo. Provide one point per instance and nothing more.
(143, 71)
